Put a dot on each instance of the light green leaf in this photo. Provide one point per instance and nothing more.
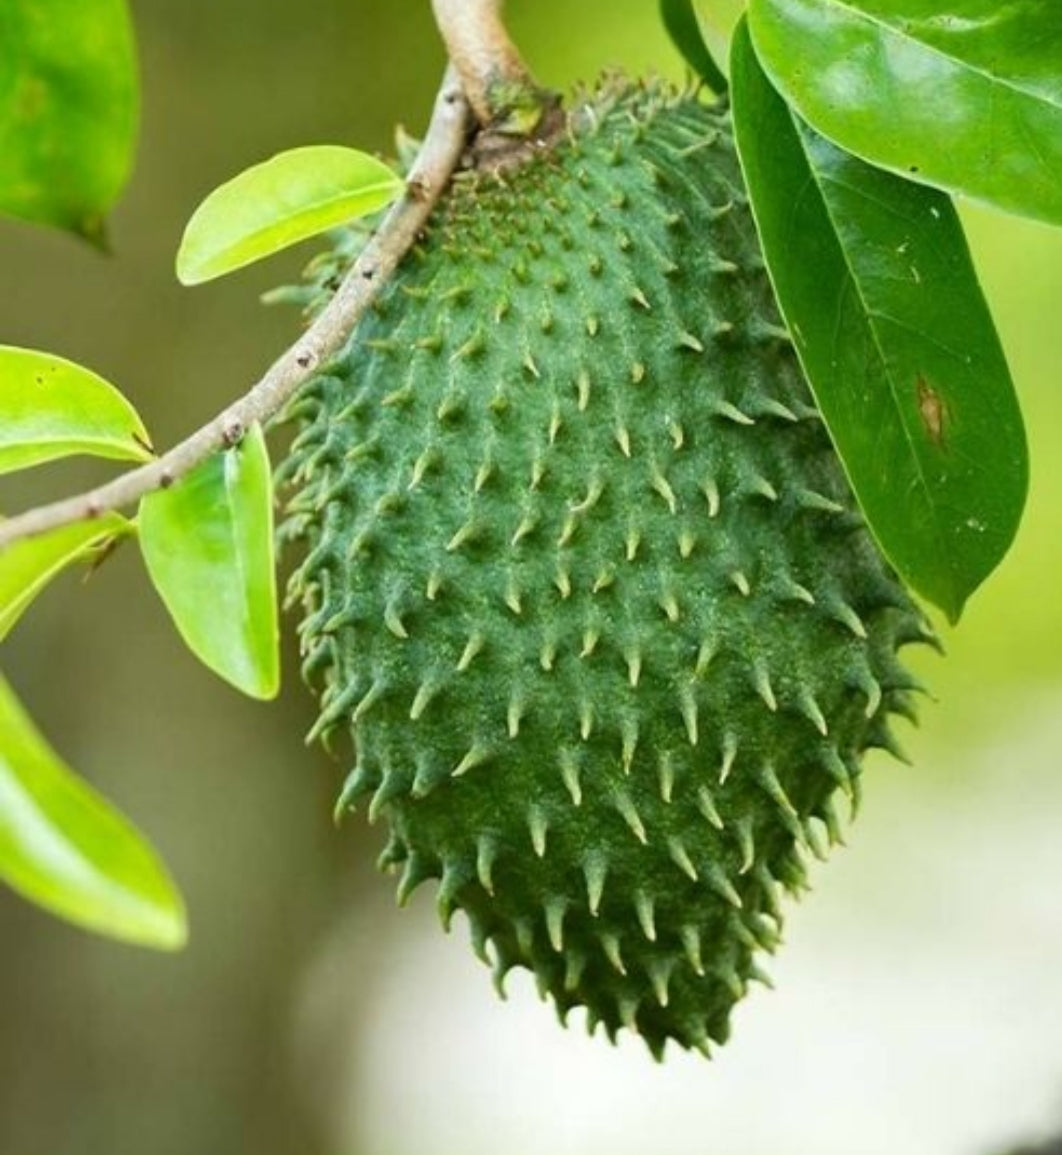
(65, 848)
(875, 281)
(68, 110)
(208, 544)
(295, 195)
(26, 567)
(964, 96)
(51, 408)
(680, 20)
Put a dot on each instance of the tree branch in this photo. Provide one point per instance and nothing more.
(439, 155)
(500, 88)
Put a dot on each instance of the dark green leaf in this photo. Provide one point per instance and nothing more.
(966, 96)
(208, 544)
(52, 408)
(875, 281)
(295, 195)
(27, 566)
(68, 110)
(680, 20)
(65, 848)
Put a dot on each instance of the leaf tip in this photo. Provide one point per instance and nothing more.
(263, 685)
(170, 933)
(950, 599)
(954, 610)
(92, 228)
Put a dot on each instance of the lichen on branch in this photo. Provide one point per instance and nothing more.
(497, 83)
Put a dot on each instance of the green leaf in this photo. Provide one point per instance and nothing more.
(208, 544)
(680, 20)
(68, 111)
(964, 96)
(875, 280)
(65, 848)
(27, 566)
(52, 408)
(295, 195)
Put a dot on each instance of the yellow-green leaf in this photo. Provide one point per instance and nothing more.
(26, 567)
(208, 545)
(295, 195)
(65, 848)
(51, 408)
(69, 105)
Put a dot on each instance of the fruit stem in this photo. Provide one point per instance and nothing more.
(498, 84)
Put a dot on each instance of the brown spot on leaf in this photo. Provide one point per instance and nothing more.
(932, 410)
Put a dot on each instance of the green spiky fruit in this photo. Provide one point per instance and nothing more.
(585, 580)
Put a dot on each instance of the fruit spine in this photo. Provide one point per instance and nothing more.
(585, 580)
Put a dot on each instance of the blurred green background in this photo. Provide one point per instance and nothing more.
(919, 1000)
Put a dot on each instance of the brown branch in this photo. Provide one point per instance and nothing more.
(440, 153)
(502, 92)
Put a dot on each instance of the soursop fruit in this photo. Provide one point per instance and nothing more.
(585, 581)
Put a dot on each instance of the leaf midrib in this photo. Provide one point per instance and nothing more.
(870, 313)
(955, 61)
(281, 225)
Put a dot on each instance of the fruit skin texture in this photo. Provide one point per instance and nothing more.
(585, 580)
